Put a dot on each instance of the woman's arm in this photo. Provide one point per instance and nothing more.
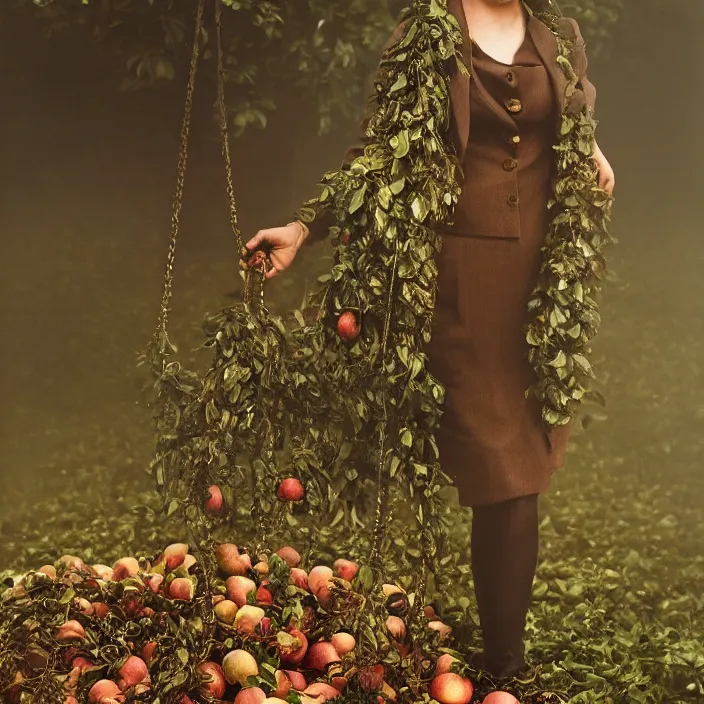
(318, 227)
(580, 62)
(284, 242)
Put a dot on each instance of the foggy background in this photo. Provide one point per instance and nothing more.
(87, 175)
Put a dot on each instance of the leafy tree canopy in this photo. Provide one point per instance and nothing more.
(324, 48)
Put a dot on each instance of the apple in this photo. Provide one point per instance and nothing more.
(344, 643)
(290, 489)
(319, 582)
(346, 569)
(289, 556)
(100, 610)
(215, 500)
(444, 664)
(250, 695)
(292, 647)
(238, 665)
(174, 555)
(450, 688)
(133, 671)
(298, 681)
(182, 588)
(213, 680)
(500, 697)
(230, 561)
(105, 692)
(248, 618)
(299, 577)
(443, 629)
(238, 588)
(396, 627)
(71, 630)
(320, 655)
(48, 570)
(125, 567)
(226, 611)
(371, 678)
(348, 327)
(283, 685)
(322, 689)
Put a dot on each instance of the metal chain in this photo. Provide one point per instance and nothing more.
(223, 130)
(160, 336)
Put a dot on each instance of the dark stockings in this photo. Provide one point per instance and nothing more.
(504, 560)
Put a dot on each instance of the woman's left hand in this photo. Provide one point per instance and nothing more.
(607, 180)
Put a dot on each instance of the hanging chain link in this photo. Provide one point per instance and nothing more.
(160, 336)
(222, 108)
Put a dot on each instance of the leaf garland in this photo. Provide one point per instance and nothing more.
(562, 307)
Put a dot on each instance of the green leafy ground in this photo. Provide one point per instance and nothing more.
(618, 611)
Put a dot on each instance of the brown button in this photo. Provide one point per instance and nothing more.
(512, 200)
(510, 164)
(514, 105)
(511, 77)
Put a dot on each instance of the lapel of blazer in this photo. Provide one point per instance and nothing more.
(546, 45)
(460, 83)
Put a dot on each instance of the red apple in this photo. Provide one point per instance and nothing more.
(500, 697)
(213, 680)
(320, 655)
(49, 571)
(299, 577)
(82, 663)
(154, 582)
(71, 630)
(319, 582)
(443, 629)
(264, 595)
(174, 555)
(71, 562)
(348, 327)
(298, 681)
(344, 643)
(450, 688)
(215, 500)
(100, 610)
(105, 692)
(248, 618)
(133, 671)
(322, 689)
(182, 588)
(290, 489)
(148, 651)
(283, 685)
(289, 556)
(292, 647)
(444, 664)
(230, 561)
(238, 588)
(346, 569)
(125, 567)
(250, 695)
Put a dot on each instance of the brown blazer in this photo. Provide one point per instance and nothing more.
(460, 86)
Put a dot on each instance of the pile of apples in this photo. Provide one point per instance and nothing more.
(251, 614)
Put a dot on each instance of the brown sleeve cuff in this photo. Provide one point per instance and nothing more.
(318, 219)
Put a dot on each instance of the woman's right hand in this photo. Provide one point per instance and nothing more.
(282, 243)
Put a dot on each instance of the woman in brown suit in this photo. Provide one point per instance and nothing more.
(492, 440)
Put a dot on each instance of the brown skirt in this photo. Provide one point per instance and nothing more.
(492, 440)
